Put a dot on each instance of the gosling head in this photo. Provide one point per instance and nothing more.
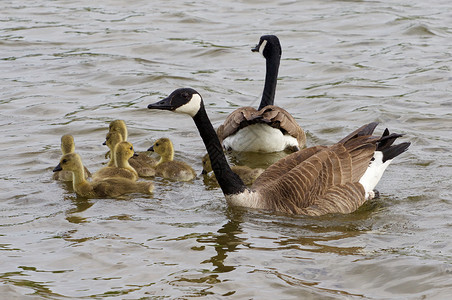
(124, 150)
(67, 144)
(268, 46)
(112, 139)
(69, 162)
(184, 100)
(119, 126)
(163, 147)
(206, 164)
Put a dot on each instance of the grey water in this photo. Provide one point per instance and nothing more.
(71, 67)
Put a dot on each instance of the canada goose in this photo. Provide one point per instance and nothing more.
(109, 187)
(167, 167)
(270, 128)
(247, 174)
(141, 162)
(313, 181)
(67, 146)
(121, 153)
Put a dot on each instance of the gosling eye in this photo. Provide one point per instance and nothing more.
(157, 144)
(131, 148)
(64, 161)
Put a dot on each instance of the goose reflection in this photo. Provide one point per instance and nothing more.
(225, 241)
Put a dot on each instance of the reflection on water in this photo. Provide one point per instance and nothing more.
(73, 67)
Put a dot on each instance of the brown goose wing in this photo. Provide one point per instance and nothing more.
(238, 119)
(278, 117)
(284, 165)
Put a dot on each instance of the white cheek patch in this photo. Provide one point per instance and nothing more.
(191, 107)
(262, 47)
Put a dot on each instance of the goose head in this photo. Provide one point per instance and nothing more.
(69, 162)
(183, 100)
(268, 46)
(164, 148)
(120, 127)
(67, 144)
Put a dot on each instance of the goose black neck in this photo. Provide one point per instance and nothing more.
(271, 77)
(229, 182)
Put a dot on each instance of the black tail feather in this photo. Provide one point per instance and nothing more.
(367, 129)
(384, 145)
(393, 151)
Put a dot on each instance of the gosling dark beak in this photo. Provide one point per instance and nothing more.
(255, 49)
(104, 143)
(164, 104)
(151, 148)
(57, 168)
(135, 154)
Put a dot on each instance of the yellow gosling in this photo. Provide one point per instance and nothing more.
(247, 174)
(167, 167)
(141, 162)
(122, 152)
(67, 146)
(109, 187)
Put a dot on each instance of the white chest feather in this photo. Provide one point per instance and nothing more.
(259, 138)
(246, 199)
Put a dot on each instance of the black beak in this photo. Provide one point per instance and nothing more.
(255, 49)
(104, 143)
(164, 104)
(135, 154)
(151, 148)
(57, 168)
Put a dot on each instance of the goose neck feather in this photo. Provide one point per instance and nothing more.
(229, 182)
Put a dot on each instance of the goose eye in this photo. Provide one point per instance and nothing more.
(157, 144)
(131, 148)
(185, 95)
(64, 161)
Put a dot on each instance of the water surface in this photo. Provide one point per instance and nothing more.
(72, 67)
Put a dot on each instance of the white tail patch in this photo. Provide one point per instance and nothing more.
(373, 173)
(191, 107)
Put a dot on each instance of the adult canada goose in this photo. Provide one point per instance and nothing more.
(313, 181)
(141, 162)
(122, 152)
(68, 146)
(270, 128)
(109, 187)
(167, 167)
(247, 174)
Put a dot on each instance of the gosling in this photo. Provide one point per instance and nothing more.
(247, 174)
(109, 187)
(122, 152)
(68, 146)
(167, 167)
(141, 162)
